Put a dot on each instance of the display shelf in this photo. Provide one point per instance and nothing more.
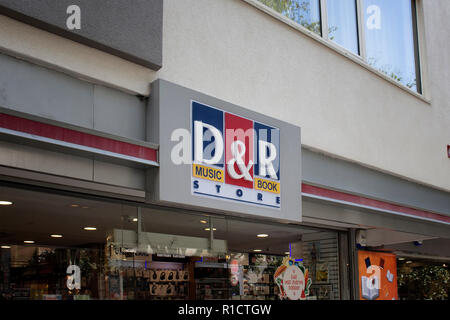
(164, 281)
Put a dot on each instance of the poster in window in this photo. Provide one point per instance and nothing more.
(377, 276)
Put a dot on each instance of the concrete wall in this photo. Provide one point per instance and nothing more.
(37, 91)
(237, 53)
(233, 51)
(132, 32)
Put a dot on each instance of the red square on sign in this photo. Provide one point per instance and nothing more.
(238, 133)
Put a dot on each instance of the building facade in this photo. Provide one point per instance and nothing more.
(220, 149)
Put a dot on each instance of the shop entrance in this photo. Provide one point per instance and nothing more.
(423, 279)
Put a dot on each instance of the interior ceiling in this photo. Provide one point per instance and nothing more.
(36, 215)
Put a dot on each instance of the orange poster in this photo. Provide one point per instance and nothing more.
(377, 276)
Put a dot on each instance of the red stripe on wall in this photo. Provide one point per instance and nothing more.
(342, 196)
(76, 137)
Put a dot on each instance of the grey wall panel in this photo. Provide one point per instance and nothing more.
(29, 158)
(353, 178)
(36, 90)
(69, 165)
(131, 30)
(118, 113)
(367, 218)
(110, 173)
(39, 91)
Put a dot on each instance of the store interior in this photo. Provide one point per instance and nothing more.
(422, 265)
(60, 246)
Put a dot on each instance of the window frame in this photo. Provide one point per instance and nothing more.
(361, 59)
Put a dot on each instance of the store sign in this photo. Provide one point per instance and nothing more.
(234, 158)
(377, 275)
(292, 278)
(215, 156)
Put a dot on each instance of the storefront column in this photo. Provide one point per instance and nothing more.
(344, 266)
(353, 264)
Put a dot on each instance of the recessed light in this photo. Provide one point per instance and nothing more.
(74, 205)
(262, 235)
(90, 228)
(6, 247)
(5, 203)
(56, 236)
(135, 219)
(84, 207)
(287, 252)
(203, 221)
(409, 261)
(401, 259)
(209, 229)
(28, 241)
(257, 250)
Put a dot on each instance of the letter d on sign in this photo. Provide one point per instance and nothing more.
(218, 140)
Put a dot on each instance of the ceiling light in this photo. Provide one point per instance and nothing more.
(401, 259)
(90, 228)
(203, 221)
(135, 219)
(28, 241)
(409, 261)
(6, 247)
(74, 205)
(84, 207)
(444, 265)
(287, 252)
(208, 229)
(262, 235)
(56, 236)
(5, 203)
(257, 250)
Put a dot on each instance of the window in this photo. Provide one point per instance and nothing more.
(389, 39)
(304, 12)
(342, 24)
(384, 34)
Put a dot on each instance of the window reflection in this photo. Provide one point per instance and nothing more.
(342, 24)
(304, 12)
(389, 38)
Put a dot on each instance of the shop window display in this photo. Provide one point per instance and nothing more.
(56, 247)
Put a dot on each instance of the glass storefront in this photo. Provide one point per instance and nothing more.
(60, 247)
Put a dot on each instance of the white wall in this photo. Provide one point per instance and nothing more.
(235, 52)
(231, 50)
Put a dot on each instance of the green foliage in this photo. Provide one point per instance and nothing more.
(394, 74)
(425, 283)
(297, 10)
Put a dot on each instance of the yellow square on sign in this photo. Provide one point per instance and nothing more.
(267, 185)
(208, 173)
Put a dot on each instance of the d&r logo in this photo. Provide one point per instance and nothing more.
(234, 158)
